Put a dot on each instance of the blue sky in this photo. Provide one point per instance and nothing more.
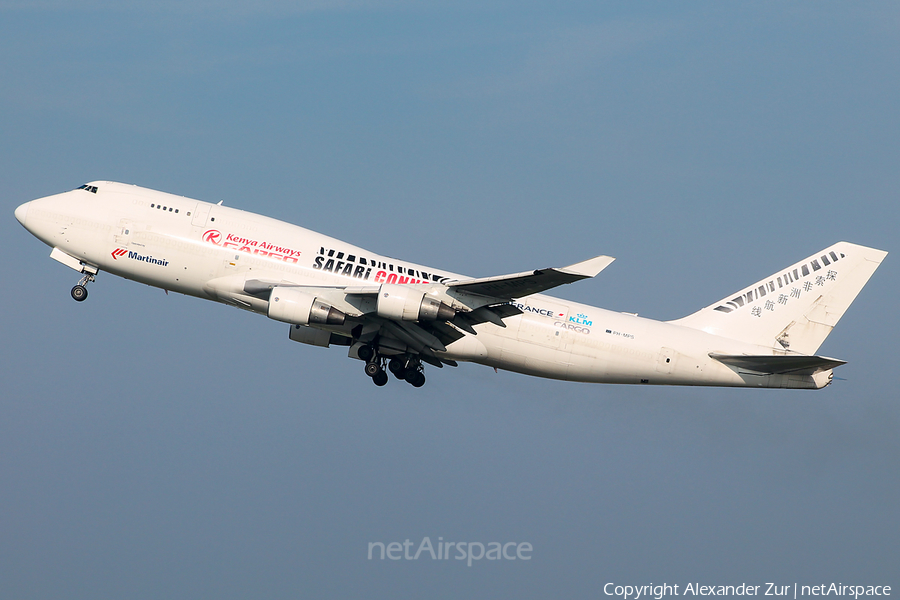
(161, 446)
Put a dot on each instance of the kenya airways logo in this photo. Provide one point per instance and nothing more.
(250, 246)
(118, 252)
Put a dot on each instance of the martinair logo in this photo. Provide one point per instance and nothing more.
(122, 252)
(258, 247)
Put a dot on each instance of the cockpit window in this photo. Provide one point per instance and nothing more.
(89, 188)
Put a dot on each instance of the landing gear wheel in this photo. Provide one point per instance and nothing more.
(365, 353)
(415, 378)
(396, 365)
(79, 293)
(373, 369)
(380, 378)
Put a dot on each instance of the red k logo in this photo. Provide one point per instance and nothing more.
(213, 236)
(118, 252)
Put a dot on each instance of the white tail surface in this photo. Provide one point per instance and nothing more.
(796, 308)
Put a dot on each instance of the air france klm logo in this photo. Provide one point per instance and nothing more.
(544, 312)
(123, 253)
(581, 320)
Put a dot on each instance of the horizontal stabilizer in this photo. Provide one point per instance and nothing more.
(519, 285)
(779, 364)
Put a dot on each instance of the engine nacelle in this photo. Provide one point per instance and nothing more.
(310, 335)
(404, 303)
(292, 305)
(317, 337)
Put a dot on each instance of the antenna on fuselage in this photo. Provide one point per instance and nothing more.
(219, 203)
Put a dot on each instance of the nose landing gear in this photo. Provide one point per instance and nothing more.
(79, 292)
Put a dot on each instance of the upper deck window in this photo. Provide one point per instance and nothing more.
(88, 188)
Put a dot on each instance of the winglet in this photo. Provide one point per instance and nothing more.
(590, 267)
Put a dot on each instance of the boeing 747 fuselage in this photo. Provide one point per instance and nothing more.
(398, 315)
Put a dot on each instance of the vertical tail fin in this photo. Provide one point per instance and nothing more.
(797, 307)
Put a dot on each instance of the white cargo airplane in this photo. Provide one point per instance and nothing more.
(399, 314)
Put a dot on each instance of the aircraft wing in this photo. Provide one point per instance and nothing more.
(518, 285)
(779, 364)
(424, 338)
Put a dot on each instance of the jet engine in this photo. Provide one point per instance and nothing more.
(404, 303)
(299, 308)
(317, 337)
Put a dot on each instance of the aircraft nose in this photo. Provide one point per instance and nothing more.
(22, 213)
